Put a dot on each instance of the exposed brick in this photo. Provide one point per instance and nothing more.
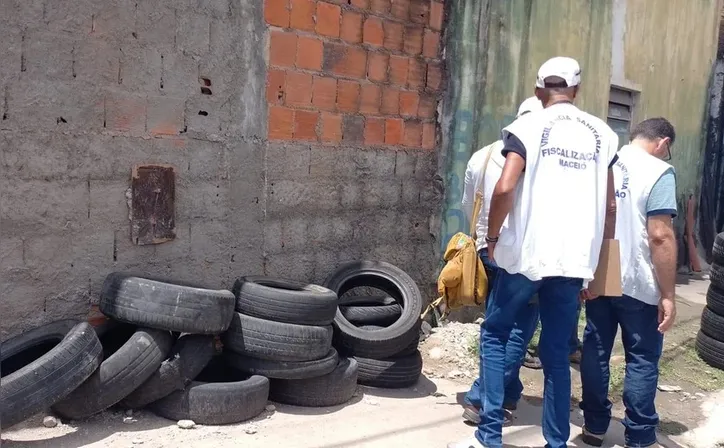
(283, 48)
(428, 135)
(393, 35)
(364, 4)
(125, 113)
(393, 131)
(420, 11)
(281, 123)
(305, 125)
(374, 131)
(434, 76)
(377, 67)
(400, 8)
(428, 106)
(275, 85)
(331, 128)
(431, 45)
(299, 89)
(328, 18)
(412, 134)
(276, 12)
(437, 13)
(302, 17)
(373, 34)
(353, 128)
(309, 53)
(416, 74)
(370, 99)
(380, 6)
(324, 93)
(413, 39)
(351, 27)
(409, 103)
(345, 61)
(165, 115)
(399, 67)
(390, 101)
(348, 96)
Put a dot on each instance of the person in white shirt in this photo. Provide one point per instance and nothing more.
(556, 191)
(491, 159)
(646, 204)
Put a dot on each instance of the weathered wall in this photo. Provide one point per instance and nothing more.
(352, 126)
(90, 88)
(642, 43)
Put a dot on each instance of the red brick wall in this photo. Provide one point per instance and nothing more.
(359, 72)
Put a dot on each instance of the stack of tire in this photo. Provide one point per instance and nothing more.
(381, 332)
(159, 339)
(710, 340)
(282, 330)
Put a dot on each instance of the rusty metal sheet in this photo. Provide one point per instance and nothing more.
(153, 211)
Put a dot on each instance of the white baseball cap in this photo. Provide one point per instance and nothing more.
(562, 67)
(531, 104)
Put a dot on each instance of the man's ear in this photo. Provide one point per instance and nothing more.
(540, 94)
(575, 91)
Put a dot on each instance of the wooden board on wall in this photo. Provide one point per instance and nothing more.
(153, 213)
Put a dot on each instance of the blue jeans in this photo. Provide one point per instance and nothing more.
(523, 330)
(642, 344)
(558, 298)
(573, 341)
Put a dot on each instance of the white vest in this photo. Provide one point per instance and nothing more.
(486, 181)
(635, 174)
(556, 225)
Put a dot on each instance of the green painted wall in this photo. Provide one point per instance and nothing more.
(665, 48)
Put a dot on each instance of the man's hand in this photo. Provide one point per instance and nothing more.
(667, 314)
(585, 294)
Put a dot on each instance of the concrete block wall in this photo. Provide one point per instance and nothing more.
(277, 171)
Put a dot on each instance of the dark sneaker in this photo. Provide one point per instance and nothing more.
(471, 414)
(532, 362)
(591, 439)
(575, 357)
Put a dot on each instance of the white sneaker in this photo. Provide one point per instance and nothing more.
(471, 442)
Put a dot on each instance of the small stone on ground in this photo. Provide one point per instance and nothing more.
(50, 421)
(186, 424)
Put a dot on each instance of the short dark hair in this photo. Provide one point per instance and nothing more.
(654, 128)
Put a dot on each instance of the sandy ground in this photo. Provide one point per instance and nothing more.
(428, 415)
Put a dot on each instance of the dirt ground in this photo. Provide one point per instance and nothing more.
(427, 415)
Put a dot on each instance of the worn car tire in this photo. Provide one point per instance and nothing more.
(371, 310)
(712, 324)
(277, 341)
(715, 300)
(44, 365)
(710, 350)
(218, 397)
(167, 306)
(407, 351)
(188, 357)
(718, 249)
(283, 300)
(392, 280)
(119, 374)
(716, 275)
(285, 370)
(332, 389)
(391, 373)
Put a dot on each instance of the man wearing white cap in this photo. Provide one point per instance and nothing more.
(482, 173)
(556, 190)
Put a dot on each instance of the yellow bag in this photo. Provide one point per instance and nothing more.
(463, 281)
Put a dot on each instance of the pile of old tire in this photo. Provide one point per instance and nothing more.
(710, 340)
(381, 332)
(282, 330)
(159, 338)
